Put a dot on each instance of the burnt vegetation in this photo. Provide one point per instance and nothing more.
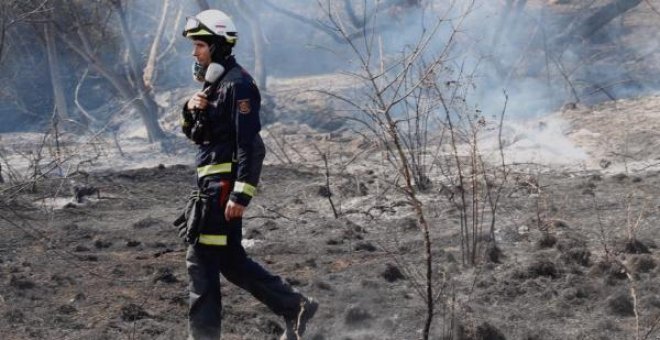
(398, 188)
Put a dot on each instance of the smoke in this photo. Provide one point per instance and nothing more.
(504, 48)
(516, 55)
(497, 48)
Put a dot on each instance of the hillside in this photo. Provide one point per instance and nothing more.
(113, 267)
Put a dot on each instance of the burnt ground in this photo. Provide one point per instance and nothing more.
(113, 268)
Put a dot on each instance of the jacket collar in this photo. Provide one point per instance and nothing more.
(228, 63)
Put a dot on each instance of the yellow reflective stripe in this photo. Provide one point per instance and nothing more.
(245, 188)
(200, 32)
(213, 240)
(223, 168)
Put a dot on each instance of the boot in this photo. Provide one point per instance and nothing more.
(295, 327)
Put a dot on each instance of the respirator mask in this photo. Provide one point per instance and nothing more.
(198, 72)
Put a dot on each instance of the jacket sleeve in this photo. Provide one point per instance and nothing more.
(250, 151)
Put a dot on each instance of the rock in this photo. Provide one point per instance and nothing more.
(322, 285)
(80, 248)
(366, 246)
(577, 293)
(493, 253)
(294, 281)
(253, 234)
(357, 317)
(635, 247)
(577, 255)
(165, 275)
(486, 331)
(542, 267)
(270, 225)
(66, 309)
(88, 258)
(14, 316)
(333, 241)
(132, 243)
(101, 244)
(80, 191)
(62, 280)
(643, 263)
(547, 240)
(78, 297)
(133, 312)
(620, 177)
(604, 163)
(621, 304)
(323, 191)
(21, 283)
(147, 222)
(392, 273)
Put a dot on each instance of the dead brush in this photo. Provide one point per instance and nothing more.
(633, 222)
(397, 111)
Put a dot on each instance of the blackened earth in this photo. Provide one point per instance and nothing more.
(113, 268)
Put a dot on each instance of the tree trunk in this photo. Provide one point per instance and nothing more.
(55, 78)
(2, 39)
(150, 115)
(593, 23)
(203, 5)
(148, 75)
(251, 16)
(120, 84)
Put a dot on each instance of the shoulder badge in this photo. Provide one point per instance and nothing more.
(244, 106)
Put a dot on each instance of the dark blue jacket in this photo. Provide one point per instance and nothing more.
(235, 150)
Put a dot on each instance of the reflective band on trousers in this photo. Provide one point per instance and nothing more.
(222, 168)
(245, 188)
(213, 240)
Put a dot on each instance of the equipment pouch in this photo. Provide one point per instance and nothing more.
(200, 132)
(193, 217)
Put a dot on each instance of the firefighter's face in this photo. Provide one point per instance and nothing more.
(201, 52)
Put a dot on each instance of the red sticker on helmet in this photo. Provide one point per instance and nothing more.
(244, 106)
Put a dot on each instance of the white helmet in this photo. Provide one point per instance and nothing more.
(209, 23)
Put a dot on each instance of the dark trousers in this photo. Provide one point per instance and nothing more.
(205, 263)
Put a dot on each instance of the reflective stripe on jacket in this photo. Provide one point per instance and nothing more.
(236, 151)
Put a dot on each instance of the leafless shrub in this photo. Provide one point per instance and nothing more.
(611, 255)
(403, 101)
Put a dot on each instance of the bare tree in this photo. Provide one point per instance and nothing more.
(55, 78)
(395, 109)
(251, 16)
(583, 28)
(13, 12)
(203, 4)
(150, 68)
(415, 97)
(150, 113)
(357, 24)
(87, 30)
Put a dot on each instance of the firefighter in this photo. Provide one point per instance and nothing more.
(223, 120)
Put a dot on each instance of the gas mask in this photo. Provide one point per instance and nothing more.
(198, 72)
